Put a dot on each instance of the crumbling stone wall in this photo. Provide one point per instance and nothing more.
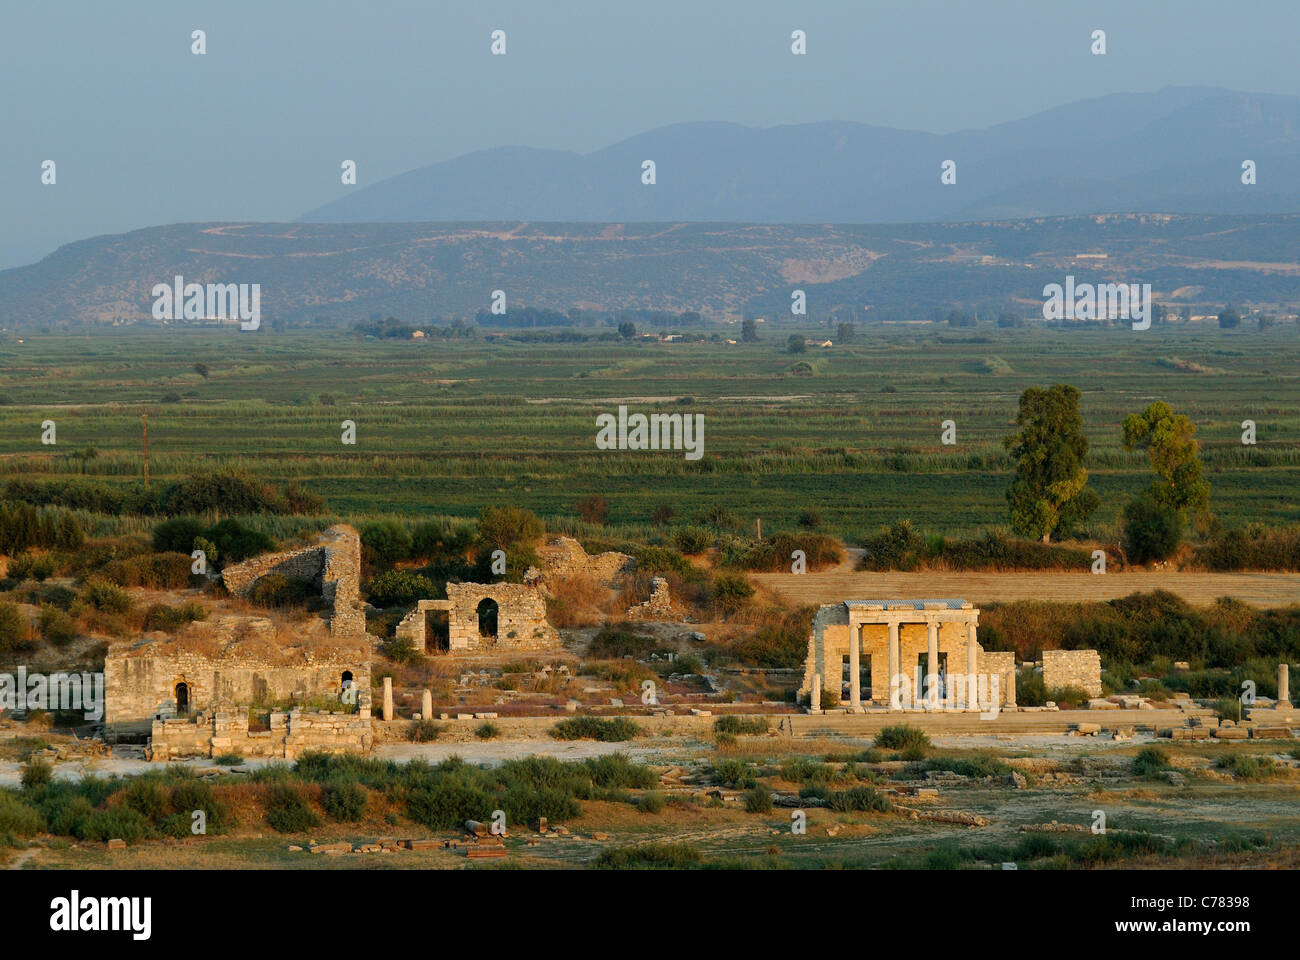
(225, 730)
(333, 566)
(660, 606)
(142, 685)
(521, 617)
(564, 557)
(1072, 668)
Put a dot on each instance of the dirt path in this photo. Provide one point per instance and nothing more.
(842, 583)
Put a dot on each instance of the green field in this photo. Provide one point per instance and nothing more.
(446, 427)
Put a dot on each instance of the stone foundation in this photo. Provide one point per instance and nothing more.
(291, 734)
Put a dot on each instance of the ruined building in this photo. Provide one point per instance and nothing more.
(857, 646)
(481, 618)
(192, 691)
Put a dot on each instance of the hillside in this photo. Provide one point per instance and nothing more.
(339, 273)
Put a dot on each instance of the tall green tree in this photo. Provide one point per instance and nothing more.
(1170, 442)
(1050, 493)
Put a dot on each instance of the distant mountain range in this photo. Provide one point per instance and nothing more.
(737, 217)
(342, 273)
(1178, 150)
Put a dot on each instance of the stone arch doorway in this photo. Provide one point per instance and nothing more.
(182, 699)
(487, 618)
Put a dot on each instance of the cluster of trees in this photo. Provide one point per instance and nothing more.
(1050, 494)
(229, 491)
(23, 526)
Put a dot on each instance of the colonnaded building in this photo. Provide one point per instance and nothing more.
(856, 646)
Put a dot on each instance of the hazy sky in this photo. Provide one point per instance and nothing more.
(144, 133)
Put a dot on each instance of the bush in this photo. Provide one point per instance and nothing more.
(425, 731)
(1244, 766)
(343, 800)
(287, 811)
(106, 597)
(277, 590)
(57, 627)
(730, 592)
(400, 588)
(649, 856)
(896, 547)
(117, 823)
(1151, 531)
(901, 737)
(652, 802)
(758, 799)
(858, 799)
(691, 540)
(387, 541)
(1150, 761)
(487, 731)
(177, 535)
(615, 730)
(236, 542)
(733, 724)
(36, 773)
(505, 527)
(228, 760)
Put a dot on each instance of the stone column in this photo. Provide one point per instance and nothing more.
(855, 668)
(388, 698)
(1283, 686)
(426, 705)
(815, 695)
(932, 666)
(894, 691)
(972, 669)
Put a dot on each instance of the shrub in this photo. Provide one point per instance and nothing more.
(1152, 531)
(146, 797)
(386, 541)
(106, 597)
(901, 737)
(425, 731)
(615, 770)
(57, 627)
(17, 818)
(343, 800)
(1150, 761)
(277, 590)
(287, 811)
(177, 535)
(692, 540)
(1244, 766)
(754, 726)
(758, 799)
(614, 730)
(36, 773)
(730, 592)
(487, 731)
(652, 802)
(896, 547)
(400, 588)
(236, 542)
(858, 799)
(649, 856)
(504, 527)
(116, 823)
(228, 760)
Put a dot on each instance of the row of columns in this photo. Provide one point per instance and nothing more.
(932, 661)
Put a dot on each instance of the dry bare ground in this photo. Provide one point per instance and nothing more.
(1257, 589)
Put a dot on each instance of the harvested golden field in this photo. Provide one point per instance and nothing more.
(1257, 589)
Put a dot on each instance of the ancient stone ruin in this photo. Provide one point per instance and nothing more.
(332, 566)
(481, 618)
(192, 692)
(857, 646)
(563, 557)
(1072, 668)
